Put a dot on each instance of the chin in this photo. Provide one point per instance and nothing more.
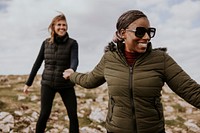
(142, 51)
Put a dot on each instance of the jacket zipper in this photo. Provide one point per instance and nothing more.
(131, 88)
(55, 56)
(132, 95)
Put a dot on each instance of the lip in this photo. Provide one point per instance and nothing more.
(142, 44)
(62, 30)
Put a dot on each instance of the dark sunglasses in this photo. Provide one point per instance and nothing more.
(140, 32)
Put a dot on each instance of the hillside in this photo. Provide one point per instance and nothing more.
(19, 112)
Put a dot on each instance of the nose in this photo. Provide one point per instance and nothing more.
(62, 26)
(146, 36)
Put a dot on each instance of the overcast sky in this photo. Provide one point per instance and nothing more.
(24, 25)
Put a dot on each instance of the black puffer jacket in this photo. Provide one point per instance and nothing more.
(57, 56)
(134, 104)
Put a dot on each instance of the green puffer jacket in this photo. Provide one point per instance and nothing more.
(135, 92)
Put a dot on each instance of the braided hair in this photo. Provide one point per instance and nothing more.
(125, 20)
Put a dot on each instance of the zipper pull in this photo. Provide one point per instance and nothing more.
(131, 69)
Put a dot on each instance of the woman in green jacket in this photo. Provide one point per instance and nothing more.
(135, 74)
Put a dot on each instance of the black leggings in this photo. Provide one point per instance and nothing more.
(69, 99)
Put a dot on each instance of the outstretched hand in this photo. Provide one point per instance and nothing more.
(25, 89)
(67, 73)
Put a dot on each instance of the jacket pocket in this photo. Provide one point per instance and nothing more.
(158, 107)
(111, 106)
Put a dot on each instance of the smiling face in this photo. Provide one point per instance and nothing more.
(60, 27)
(133, 43)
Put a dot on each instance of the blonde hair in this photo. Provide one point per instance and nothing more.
(52, 25)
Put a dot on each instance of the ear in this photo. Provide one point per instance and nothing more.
(123, 33)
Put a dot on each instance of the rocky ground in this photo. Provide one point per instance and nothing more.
(19, 112)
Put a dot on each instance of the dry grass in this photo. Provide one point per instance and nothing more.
(11, 87)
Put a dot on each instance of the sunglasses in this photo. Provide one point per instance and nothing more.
(141, 31)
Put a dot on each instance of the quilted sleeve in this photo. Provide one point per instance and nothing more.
(92, 79)
(181, 83)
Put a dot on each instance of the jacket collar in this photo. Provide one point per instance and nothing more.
(63, 39)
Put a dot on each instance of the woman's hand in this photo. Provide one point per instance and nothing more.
(25, 90)
(67, 73)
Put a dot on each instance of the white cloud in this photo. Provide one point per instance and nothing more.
(92, 23)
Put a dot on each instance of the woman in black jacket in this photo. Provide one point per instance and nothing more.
(59, 52)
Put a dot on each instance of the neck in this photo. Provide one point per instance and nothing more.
(128, 50)
(130, 57)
